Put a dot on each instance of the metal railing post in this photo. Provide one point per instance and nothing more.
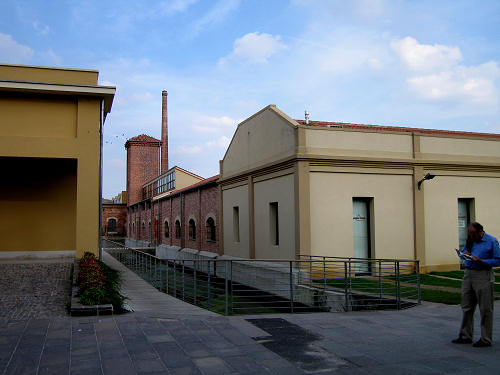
(310, 271)
(398, 286)
(175, 278)
(183, 290)
(380, 278)
(226, 288)
(346, 288)
(167, 264)
(161, 284)
(324, 273)
(350, 275)
(232, 303)
(418, 283)
(194, 282)
(208, 285)
(291, 287)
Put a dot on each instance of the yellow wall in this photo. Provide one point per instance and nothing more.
(34, 116)
(441, 211)
(37, 204)
(259, 140)
(36, 125)
(281, 190)
(237, 196)
(332, 210)
(43, 74)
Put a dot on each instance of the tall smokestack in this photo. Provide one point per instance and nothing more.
(164, 132)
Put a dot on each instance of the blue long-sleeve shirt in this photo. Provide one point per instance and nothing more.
(488, 250)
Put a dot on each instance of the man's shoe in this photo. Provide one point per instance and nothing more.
(462, 340)
(481, 344)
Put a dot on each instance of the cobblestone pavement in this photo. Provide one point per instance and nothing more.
(34, 290)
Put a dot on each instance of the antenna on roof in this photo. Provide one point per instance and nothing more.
(306, 113)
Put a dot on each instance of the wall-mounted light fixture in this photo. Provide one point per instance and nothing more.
(428, 176)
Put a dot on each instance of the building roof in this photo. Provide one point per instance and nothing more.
(206, 181)
(344, 125)
(143, 138)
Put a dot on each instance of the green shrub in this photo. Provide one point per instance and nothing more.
(98, 283)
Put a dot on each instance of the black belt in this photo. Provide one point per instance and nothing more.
(477, 269)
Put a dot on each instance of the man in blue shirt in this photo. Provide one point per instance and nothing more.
(477, 285)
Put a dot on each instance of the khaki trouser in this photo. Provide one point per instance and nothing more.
(477, 288)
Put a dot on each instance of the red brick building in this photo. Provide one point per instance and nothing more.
(172, 207)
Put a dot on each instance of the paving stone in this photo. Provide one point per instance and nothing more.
(212, 366)
(189, 370)
(196, 349)
(119, 365)
(172, 355)
(149, 365)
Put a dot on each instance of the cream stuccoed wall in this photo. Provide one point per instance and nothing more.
(441, 211)
(332, 213)
(184, 179)
(334, 142)
(463, 149)
(281, 190)
(263, 138)
(237, 196)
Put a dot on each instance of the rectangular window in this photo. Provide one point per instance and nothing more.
(236, 224)
(274, 227)
(465, 217)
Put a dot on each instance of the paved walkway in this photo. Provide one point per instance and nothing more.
(176, 338)
(142, 297)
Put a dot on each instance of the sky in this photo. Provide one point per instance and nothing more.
(426, 64)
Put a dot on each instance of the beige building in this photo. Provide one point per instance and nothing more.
(51, 123)
(336, 189)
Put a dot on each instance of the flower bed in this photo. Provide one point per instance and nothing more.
(96, 288)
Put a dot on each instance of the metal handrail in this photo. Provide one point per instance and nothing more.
(232, 286)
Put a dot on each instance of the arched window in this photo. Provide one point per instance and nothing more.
(177, 229)
(210, 225)
(133, 227)
(112, 225)
(166, 228)
(192, 229)
(149, 229)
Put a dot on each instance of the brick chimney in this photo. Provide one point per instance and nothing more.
(164, 132)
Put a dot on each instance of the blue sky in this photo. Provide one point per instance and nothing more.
(431, 64)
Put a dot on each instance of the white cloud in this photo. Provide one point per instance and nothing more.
(219, 143)
(438, 76)
(426, 57)
(175, 6)
(475, 84)
(209, 124)
(255, 47)
(13, 52)
(40, 29)
(218, 13)
(190, 150)
(51, 57)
